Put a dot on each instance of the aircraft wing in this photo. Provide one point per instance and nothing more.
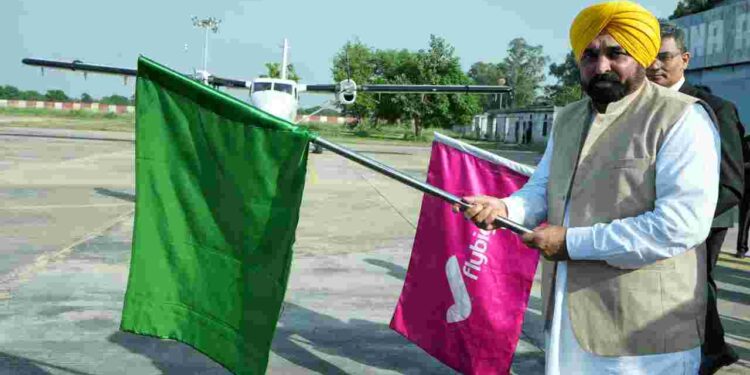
(78, 66)
(415, 89)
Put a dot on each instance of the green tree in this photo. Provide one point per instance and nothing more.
(115, 99)
(439, 66)
(688, 7)
(56, 96)
(483, 73)
(568, 87)
(9, 92)
(355, 60)
(395, 67)
(563, 95)
(274, 71)
(525, 68)
(31, 95)
(86, 98)
(436, 65)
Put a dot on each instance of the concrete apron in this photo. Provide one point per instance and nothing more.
(67, 226)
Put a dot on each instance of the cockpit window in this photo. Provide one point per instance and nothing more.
(261, 86)
(283, 87)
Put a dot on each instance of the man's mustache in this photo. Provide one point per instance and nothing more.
(655, 72)
(605, 77)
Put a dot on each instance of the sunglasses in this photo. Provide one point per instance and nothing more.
(666, 56)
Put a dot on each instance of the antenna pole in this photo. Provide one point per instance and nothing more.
(284, 59)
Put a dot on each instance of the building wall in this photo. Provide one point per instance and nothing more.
(514, 127)
(719, 36)
(66, 106)
(719, 42)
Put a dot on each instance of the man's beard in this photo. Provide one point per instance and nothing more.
(606, 88)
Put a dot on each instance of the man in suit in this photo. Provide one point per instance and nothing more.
(744, 224)
(668, 71)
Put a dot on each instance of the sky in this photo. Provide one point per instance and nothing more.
(115, 33)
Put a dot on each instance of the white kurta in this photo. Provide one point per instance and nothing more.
(687, 180)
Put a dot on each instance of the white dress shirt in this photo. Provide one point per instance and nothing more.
(677, 85)
(687, 180)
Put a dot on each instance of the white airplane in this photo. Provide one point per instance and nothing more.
(280, 96)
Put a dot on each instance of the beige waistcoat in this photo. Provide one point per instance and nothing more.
(603, 166)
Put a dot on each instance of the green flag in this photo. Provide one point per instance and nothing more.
(218, 190)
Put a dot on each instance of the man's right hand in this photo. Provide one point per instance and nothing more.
(483, 210)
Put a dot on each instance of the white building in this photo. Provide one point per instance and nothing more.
(516, 126)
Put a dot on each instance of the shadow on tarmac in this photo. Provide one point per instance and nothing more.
(12, 364)
(169, 356)
(735, 328)
(393, 269)
(116, 194)
(733, 276)
(301, 334)
(528, 363)
(365, 342)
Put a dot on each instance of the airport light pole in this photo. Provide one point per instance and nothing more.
(209, 23)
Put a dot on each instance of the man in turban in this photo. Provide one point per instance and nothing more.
(626, 209)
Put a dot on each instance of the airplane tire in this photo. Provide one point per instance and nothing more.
(316, 149)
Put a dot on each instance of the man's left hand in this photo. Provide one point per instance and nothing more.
(549, 240)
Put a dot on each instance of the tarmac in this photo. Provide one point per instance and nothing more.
(66, 220)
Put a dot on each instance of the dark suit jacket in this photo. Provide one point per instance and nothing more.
(731, 131)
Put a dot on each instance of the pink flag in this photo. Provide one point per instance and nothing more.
(466, 289)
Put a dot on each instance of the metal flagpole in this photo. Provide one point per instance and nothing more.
(338, 149)
(411, 181)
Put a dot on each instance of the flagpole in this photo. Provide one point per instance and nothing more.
(411, 181)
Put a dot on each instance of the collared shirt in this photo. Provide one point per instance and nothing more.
(678, 85)
(686, 191)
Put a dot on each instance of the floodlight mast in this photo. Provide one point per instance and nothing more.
(212, 24)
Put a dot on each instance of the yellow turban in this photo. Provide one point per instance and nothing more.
(632, 26)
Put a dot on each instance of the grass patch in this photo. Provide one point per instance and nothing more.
(77, 113)
(363, 132)
(74, 119)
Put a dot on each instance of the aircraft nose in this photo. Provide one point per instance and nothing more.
(277, 110)
(274, 104)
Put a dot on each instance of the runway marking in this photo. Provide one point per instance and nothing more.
(313, 173)
(53, 206)
(23, 274)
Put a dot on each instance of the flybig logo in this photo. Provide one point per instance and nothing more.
(461, 307)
